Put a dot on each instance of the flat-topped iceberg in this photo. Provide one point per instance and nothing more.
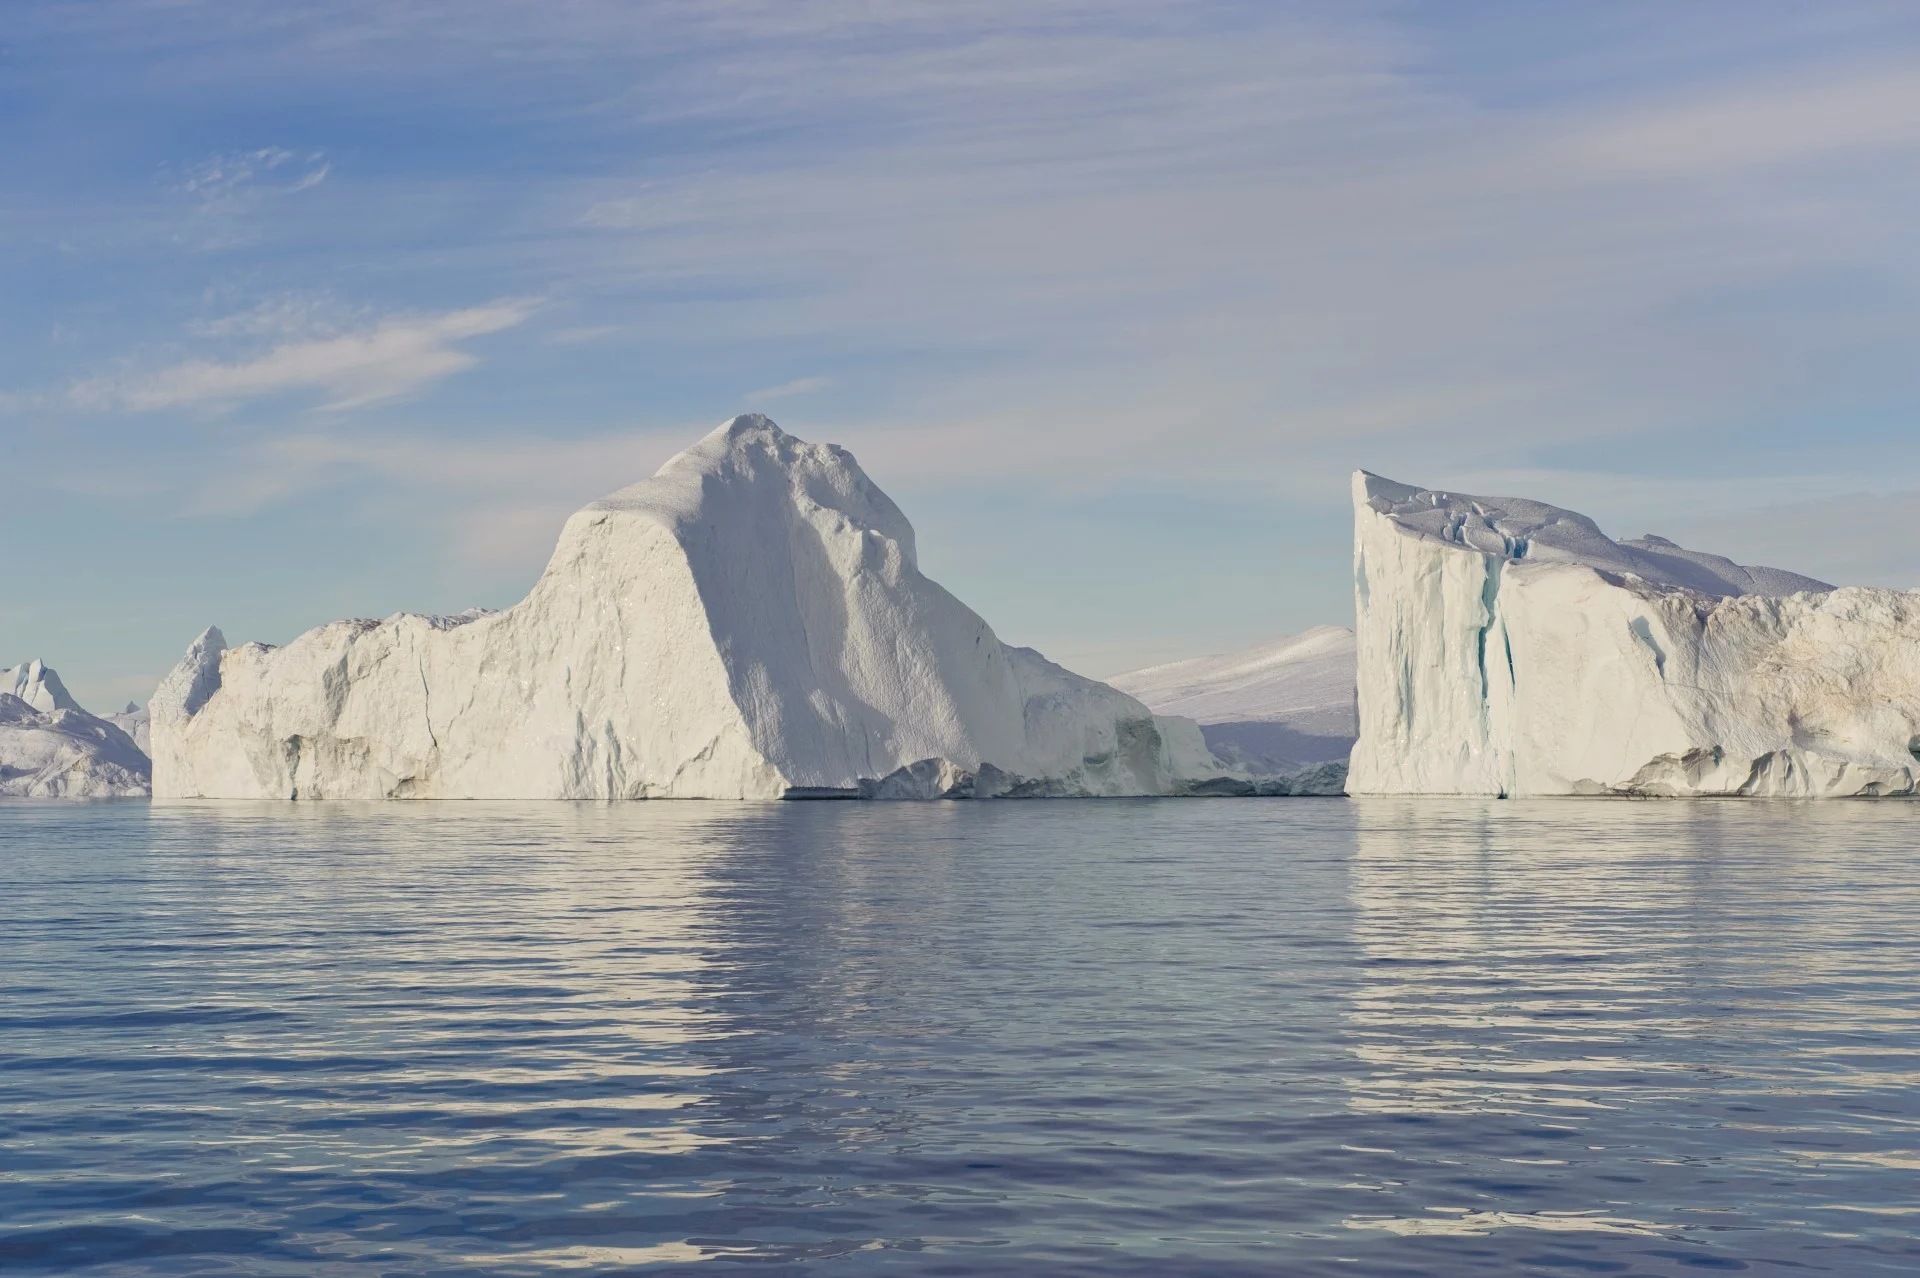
(51, 748)
(1278, 709)
(1509, 647)
(749, 623)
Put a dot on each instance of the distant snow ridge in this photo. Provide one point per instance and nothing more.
(749, 623)
(50, 748)
(1274, 709)
(132, 721)
(1510, 648)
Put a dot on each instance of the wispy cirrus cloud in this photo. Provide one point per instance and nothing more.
(287, 316)
(582, 334)
(221, 178)
(786, 390)
(498, 502)
(1074, 247)
(1825, 118)
(391, 359)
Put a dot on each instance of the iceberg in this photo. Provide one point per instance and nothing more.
(50, 748)
(1281, 708)
(133, 722)
(750, 623)
(37, 685)
(1508, 647)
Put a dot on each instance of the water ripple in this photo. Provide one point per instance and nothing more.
(1105, 1038)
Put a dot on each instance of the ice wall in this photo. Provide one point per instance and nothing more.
(1508, 647)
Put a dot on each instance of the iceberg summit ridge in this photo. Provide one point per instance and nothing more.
(1508, 647)
(749, 623)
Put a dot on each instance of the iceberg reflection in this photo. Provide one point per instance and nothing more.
(1580, 971)
(516, 988)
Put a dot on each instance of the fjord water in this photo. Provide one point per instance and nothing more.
(1119, 1037)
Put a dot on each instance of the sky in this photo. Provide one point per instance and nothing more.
(334, 308)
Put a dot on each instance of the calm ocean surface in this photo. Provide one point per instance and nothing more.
(1282, 1036)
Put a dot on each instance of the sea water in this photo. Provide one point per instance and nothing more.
(1225, 1037)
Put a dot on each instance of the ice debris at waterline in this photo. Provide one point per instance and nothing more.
(749, 623)
(1281, 708)
(50, 748)
(1508, 647)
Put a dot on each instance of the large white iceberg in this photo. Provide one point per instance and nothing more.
(52, 748)
(1508, 647)
(749, 623)
(1280, 708)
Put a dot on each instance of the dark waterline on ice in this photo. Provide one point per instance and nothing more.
(1256, 1037)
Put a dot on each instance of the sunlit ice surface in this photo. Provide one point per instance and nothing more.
(1115, 1037)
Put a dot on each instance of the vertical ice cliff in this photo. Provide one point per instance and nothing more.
(1508, 647)
(50, 748)
(749, 623)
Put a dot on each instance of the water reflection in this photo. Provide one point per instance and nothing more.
(1106, 1038)
(1564, 979)
(384, 1011)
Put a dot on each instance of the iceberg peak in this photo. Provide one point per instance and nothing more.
(749, 622)
(190, 683)
(749, 466)
(35, 683)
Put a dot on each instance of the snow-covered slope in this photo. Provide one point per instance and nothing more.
(749, 623)
(1269, 709)
(51, 748)
(35, 683)
(132, 721)
(1509, 647)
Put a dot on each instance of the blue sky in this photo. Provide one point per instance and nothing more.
(335, 309)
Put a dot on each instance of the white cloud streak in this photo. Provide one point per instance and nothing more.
(1083, 247)
(499, 502)
(1803, 118)
(221, 178)
(394, 358)
(786, 390)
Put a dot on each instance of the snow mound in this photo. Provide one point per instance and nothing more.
(749, 623)
(52, 749)
(1271, 709)
(1511, 648)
